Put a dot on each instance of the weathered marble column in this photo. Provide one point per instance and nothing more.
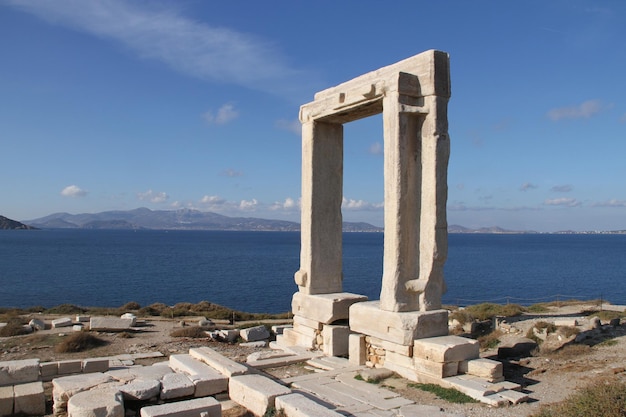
(402, 170)
(322, 193)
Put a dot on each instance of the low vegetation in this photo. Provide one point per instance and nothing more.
(78, 342)
(448, 394)
(602, 399)
(193, 332)
(14, 327)
(491, 340)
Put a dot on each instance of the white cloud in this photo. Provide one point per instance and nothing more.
(225, 114)
(293, 126)
(153, 196)
(159, 31)
(376, 148)
(582, 111)
(288, 205)
(73, 191)
(567, 202)
(527, 186)
(351, 204)
(248, 205)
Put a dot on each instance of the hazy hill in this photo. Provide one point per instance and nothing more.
(8, 224)
(184, 219)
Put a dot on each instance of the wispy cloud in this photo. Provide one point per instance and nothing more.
(528, 186)
(224, 114)
(581, 111)
(161, 32)
(153, 196)
(73, 191)
(351, 204)
(248, 205)
(561, 188)
(565, 202)
(611, 203)
(293, 126)
(231, 173)
(376, 148)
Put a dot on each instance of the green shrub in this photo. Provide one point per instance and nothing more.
(602, 399)
(78, 342)
(447, 394)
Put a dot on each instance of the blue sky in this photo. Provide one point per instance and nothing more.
(114, 105)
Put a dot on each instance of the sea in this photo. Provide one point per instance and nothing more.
(253, 271)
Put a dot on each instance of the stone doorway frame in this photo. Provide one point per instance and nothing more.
(413, 97)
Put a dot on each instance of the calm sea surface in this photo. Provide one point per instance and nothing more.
(253, 271)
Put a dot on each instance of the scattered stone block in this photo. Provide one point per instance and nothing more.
(78, 328)
(61, 322)
(29, 399)
(253, 334)
(257, 393)
(418, 410)
(83, 319)
(37, 324)
(566, 322)
(375, 374)
(206, 324)
(110, 324)
(446, 349)
(219, 362)
(206, 407)
(229, 335)
(95, 365)
(291, 337)
(70, 367)
(155, 371)
(297, 405)
(131, 317)
(64, 388)
(278, 328)
(176, 386)
(19, 372)
(207, 381)
(6, 400)
(259, 344)
(141, 389)
(514, 397)
(97, 402)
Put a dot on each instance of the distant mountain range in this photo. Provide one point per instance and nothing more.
(183, 219)
(188, 219)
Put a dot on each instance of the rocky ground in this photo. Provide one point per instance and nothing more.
(546, 377)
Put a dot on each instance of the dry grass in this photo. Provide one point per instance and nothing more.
(601, 399)
(78, 342)
(14, 327)
(486, 311)
(490, 341)
(193, 332)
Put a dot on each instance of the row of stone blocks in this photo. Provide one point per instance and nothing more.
(21, 388)
(184, 386)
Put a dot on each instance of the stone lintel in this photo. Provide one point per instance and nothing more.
(422, 75)
(324, 308)
(397, 327)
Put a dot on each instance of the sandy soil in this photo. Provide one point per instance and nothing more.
(547, 378)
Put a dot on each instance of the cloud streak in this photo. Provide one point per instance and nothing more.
(185, 45)
(582, 111)
(565, 202)
(156, 197)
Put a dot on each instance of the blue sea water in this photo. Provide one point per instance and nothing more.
(253, 271)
